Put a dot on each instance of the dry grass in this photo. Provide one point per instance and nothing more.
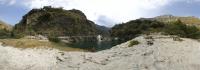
(31, 43)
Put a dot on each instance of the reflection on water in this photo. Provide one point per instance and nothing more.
(95, 45)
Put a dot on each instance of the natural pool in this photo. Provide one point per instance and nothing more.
(95, 45)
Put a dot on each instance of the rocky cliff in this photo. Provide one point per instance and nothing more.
(50, 21)
(190, 20)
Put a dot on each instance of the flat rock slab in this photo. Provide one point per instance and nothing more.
(164, 54)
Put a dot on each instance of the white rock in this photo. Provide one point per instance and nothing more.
(164, 54)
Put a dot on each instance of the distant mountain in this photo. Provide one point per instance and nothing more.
(105, 31)
(50, 21)
(4, 25)
(190, 20)
(5, 30)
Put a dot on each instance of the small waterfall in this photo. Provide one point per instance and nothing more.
(99, 38)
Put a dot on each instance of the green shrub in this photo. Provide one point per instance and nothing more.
(4, 33)
(133, 42)
(182, 30)
(16, 35)
(54, 39)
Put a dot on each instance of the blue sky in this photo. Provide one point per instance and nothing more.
(103, 12)
(12, 14)
(182, 9)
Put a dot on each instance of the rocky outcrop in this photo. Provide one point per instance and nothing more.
(190, 20)
(50, 21)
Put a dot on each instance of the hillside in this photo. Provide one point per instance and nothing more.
(134, 28)
(4, 25)
(105, 31)
(50, 21)
(163, 54)
(5, 30)
(190, 20)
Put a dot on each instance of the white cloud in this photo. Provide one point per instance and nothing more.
(7, 2)
(12, 2)
(116, 10)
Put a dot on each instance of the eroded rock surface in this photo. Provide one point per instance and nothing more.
(164, 54)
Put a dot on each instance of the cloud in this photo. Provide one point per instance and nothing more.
(116, 10)
(113, 11)
(105, 21)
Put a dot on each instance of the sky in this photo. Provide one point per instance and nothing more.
(103, 12)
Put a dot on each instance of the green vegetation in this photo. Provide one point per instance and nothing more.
(5, 30)
(182, 30)
(4, 34)
(129, 30)
(50, 21)
(133, 42)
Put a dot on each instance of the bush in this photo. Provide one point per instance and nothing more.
(54, 39)
(16, 35)
(133, 42)
(192, 32)
(182, 30)
(4, 33)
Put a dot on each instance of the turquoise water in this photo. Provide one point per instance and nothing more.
(95, 45)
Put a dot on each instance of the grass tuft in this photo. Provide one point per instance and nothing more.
(133, 42)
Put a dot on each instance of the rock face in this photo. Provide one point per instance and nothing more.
(163, 54)
(50, 21)
(190, 20)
